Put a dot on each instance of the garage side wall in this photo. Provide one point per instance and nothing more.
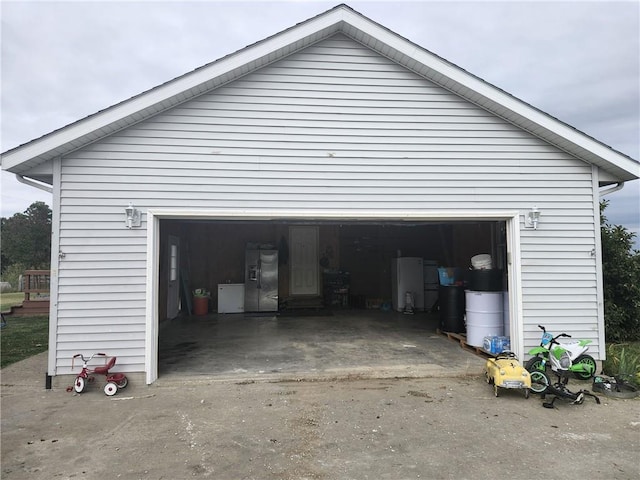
(334, 127)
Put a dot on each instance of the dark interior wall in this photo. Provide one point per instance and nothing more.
(470, 240)
(329, 246)
(215, 252)
(212, 252)
(368, 249)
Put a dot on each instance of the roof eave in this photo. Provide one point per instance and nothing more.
(360, 28)
(131, 111)
(493, 99)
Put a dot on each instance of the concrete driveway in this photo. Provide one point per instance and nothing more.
(390, 428)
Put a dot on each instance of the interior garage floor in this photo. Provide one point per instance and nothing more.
(342, 344)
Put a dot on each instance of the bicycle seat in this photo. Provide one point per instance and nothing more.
(104, 369)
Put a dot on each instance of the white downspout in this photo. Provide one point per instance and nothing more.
(33, 183)
(615, 188)
(56, 258)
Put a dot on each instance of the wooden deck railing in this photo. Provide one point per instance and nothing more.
(36, 286)
(36, 282)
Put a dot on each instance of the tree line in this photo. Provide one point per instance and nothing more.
(25, 240)
(26, 244)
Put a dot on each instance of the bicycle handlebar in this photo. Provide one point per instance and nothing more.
(555, 339)
(544, 330)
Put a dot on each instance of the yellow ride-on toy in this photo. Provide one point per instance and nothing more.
(504, 371)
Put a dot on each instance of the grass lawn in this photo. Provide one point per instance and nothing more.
(8, 300)
(23, 337)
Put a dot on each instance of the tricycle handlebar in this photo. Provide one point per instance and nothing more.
(86, 360)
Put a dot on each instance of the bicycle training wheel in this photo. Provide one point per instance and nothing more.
(539, 382)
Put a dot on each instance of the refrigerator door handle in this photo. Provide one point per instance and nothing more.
(259, 274)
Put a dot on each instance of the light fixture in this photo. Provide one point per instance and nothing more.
(133, 216)
(533, 217)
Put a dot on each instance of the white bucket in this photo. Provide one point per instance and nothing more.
(484, 316)
(482, 262)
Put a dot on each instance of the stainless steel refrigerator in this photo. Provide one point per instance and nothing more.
(261, 281)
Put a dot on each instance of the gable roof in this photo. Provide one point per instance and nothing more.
(341, 19)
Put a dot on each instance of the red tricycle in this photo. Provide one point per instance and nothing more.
(114, 380)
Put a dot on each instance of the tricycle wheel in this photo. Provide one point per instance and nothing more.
(79, 385)
(123, 382)
(487, 378)
(526, 393)
(539, 382)
(496, 389)
(110, 389)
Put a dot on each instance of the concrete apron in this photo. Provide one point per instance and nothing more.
(349, 344)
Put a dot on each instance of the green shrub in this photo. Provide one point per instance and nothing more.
(623, 359)
(621, 281)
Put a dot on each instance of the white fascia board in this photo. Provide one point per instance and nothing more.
(161, 94)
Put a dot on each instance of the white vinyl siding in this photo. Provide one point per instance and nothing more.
(334, 127)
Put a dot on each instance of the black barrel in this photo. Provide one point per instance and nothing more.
(451, 300)
(485, 280)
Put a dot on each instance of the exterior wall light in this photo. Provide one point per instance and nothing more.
(533, 217)
(133, 216)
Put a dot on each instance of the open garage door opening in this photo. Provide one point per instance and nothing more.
(296, 295)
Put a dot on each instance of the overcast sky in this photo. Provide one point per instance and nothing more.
(61, 61)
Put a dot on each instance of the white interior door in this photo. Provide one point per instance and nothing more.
(173, 280)
(303, 260)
